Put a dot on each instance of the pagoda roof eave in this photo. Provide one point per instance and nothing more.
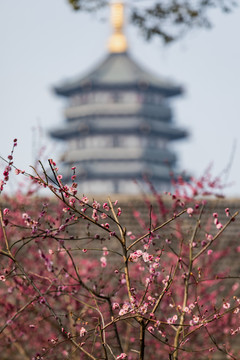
(138, 86)
(118, 71)
(67, 133)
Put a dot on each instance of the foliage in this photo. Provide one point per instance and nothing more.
(75, 283)
(167, 19)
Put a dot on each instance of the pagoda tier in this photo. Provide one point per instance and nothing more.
(118, 127)
(119, 123)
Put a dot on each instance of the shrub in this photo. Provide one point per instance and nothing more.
(76, 283)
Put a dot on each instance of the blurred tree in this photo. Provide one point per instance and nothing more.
(167, 19)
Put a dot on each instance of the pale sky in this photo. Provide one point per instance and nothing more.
(44, 42)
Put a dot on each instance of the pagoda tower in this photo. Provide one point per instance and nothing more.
(119, 124)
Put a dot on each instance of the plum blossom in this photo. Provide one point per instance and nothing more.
(105, 251)
(226, 305)
(135, 255)
(172, 320)
(105, 206)
(151, 329)
(122, 356)
(6, 211)
(95, 215)
(190, 211)
(103, 261)
(115, 306)
(119, 212)
(219, 226)
(147, 257)
(227, 212)
(96, 205)
(85, 200)
(191, 306)
(82, 332)
(195, 319)
(165, 281)
(125, 309)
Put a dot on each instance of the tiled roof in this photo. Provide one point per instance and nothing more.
(118, 70)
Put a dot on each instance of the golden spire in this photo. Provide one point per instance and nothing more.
(117, 42)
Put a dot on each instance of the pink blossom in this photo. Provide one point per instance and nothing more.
(147, 257)
(165, 281)
(219, 226)
(103, 261)
(105, 251)
(151, 329)
(6, 211)
(122, 356)
(115, 306)
(227, 211)
(190, 211)
(162, 333)
(135, 256)
(84, 200)
(172, 320)
(226, 305)
(195, 319)
(209, 237)
(119, 212)
(191, 306)
(125, 309)
(105, 206)
(24, 216)
(95, 205)
(82, 332)
(95, 215)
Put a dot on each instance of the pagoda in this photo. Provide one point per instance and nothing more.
(119, 124)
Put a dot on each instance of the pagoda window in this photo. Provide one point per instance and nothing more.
(73, 143)
(140, 98)
(116, 96)
(129, 141)
(101, 97)
(157, 99)
(75, 100)
(129, 97)
(98, 142)
(81, 143)
(161, 143)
